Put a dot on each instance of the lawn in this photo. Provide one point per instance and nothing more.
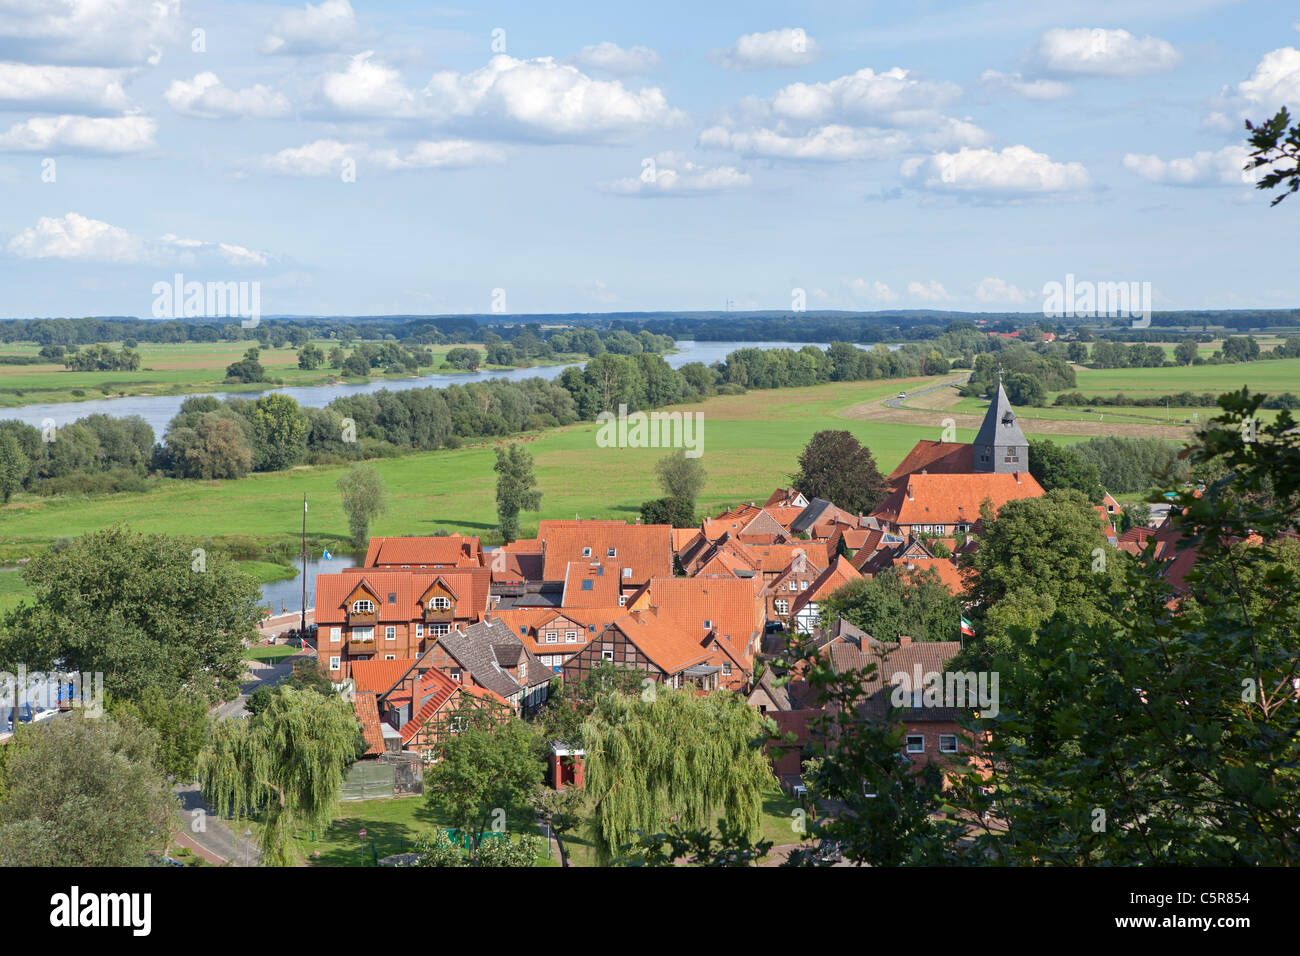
(12, 590)
(1278, 375)
(392, 826)
(270, 653)
(268, 571)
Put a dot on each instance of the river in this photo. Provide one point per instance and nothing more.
(158, 410)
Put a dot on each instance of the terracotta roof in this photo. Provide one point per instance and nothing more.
(732, 606)
(936, 457)
(668, 645)
(378, 677)
(470, 586)
(644, 548)
(435, 689)
(368, 714)
(431, 551)
(949, 574)
(954, 499)
(590, 584)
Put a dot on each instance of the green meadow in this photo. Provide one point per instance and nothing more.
(750, 442)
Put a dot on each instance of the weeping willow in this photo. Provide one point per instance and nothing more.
(287, 764)
(676, 758)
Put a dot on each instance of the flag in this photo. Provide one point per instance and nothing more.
(304, 505)
(966, 629)
(328, 556)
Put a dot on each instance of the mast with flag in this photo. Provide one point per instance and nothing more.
(302, 630)
(967, 629)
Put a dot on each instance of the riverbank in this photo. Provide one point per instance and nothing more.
(195, 368)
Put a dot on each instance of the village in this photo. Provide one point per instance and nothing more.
(429, 629)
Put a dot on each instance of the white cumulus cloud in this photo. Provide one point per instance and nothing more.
(895, 96)
(613, 58)
(773, 50)
(875, 290)
(538, 99)
(834, 143)
(1000, 291)
(87, 32)
(1016, 170)
(1274, 83)
(326, 157)
(1029, 89)
(61, 88)
(314, 29)
(932, 291)
(80, 134)
(75, 237)
(205, 97)
(1224, 167)
(1099, 52)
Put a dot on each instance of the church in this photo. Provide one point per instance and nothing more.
(940, 487)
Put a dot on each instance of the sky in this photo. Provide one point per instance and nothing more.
(398, 157)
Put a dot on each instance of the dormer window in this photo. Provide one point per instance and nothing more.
(439, 604)
(708, 625)
(363, 607)
(612, 553)
(627, 572)
(586, 552)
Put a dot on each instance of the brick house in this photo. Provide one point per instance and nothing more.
(647, 641)
(806, 609)
(386, 614)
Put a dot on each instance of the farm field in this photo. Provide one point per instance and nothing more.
(176, 369)
(1278, 375)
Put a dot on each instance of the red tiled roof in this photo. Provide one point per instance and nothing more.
(645, 548)
(952, 499)
(949, 574)
(368, 715)
(936, 457)
(375, 676)
(668, 645)
(529, 625)
(470, 585)
(591, 584)
(435, 689)
(430, 551)
(732, 606)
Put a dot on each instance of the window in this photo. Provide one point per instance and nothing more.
(622, 600)
(803, 585)
(439, 630)
(392, 598)
(726, 668)
(390, 633)
(552, 637)
(607, 656)
(947, 743)
(336, 634)
(570, 637)
(782, 606)
(419, 630)
(612, 553)
(627, 572)
(456, 724)
(588, 584)
(454, 673)
(363, 607)
(363, 634)
(390, 657)
(586, 552)
(440, 603)
(915, 743)
(334, 663)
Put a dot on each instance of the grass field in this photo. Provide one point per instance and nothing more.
(751, 445)
(176, 369)
(12, 590)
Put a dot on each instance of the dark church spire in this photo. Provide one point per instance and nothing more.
(1000, 445)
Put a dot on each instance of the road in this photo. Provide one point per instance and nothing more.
(898, 400)
(215, 841)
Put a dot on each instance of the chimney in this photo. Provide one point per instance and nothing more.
(904, 640)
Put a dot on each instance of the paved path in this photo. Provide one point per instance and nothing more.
(215, 839)
(278, 624)
(898, 400)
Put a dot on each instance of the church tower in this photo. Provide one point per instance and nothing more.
(1000, 445)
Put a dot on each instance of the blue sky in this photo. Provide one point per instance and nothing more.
(377, 158)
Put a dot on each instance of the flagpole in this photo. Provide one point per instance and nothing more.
(302, 632)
